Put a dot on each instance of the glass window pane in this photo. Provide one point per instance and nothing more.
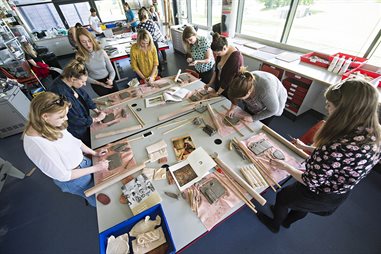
(376, 57)
(78, 12)
(41, 17)
(216, 11)
(199, 12)
(22, 2)
(110, 10)
(265, 19)
(336, 26)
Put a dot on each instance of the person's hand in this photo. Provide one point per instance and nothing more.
(150, 81)
(101, 116)
(101, 152)
(207, 86)
(128, 25)
(248, 119)
(102, 165)
(193, 63)
(279, 164)
(105, 85)
(230, 112)
(298, 143)
(109, 82)
(189, 60)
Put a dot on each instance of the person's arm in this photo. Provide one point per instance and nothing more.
(32, 62)
(77, 173)
(206, 60)
(295, 173)
(93, 25)
(299, 144)
(211, 82)
(230, 69)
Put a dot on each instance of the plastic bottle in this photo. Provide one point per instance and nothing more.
(345, 66)
(333, 63)
(339, 64)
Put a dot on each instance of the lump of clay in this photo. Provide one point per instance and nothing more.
(103, 198)
(118, 245)
(145, 225)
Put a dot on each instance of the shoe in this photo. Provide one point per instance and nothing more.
(284, 224)
(268, 222)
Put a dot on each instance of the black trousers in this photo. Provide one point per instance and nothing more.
(206, 76)
(302, 201)
(163, 54)
(101, 91)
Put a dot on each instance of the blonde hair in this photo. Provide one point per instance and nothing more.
(29, 49)
(74, 69)
(187, 33)
(43, 103)
(243, 82)
(144, 35)
(356, 105)
(82, 53)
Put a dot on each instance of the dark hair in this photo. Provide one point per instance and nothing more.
(143, 13)
(78, 25)
(218, 42)
(74, 69)
(92, 9)
(126, 4)
(243, 82)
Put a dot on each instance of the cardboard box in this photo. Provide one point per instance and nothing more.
(126, 226)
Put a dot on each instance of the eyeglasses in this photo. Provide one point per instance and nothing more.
(59, 102)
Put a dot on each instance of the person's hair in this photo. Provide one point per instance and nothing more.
(74, 69)
(29, 49)
(144, 35)
(218, 42)
(356, 105)
(82, 53)
(188, 32)
(92, 9)
(143, 13)
(126, 4)
(78, 25)
(49, 103)
(243, 82)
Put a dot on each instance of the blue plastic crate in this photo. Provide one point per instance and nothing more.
(111, 25)
(126, 226)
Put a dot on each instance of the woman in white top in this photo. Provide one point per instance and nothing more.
(54, 150)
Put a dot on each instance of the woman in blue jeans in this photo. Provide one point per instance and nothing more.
(54, 150)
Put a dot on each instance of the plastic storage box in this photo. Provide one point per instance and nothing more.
(356, 61)
(371, 74)
(126, 226)
(308, 58)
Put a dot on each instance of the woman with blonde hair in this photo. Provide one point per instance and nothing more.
(261, 94)
(345, 149)
(97, 62)
(70, 85)
(198, 47)
(54, 150)
(144, 60)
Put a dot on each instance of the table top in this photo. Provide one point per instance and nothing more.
(185, 226)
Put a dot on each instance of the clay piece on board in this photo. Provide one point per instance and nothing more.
(195, 97)
(259, 146)
(203, 92)
(123, 147)
(212, 190)
(103, 198)
(233, 120)
(148, 237)
(145, 247)
(278, 155)
(109, 117)
(163, 85)
(118, 245)
(124, 95)
(201, 108)
(114, 161)
(123, 113)
(145, 225)
(184, 78)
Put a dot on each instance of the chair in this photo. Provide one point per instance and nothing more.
(193, 73)
(308, 137)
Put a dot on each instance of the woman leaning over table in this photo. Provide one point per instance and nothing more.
(228, 63)
(345, 150)
(54, 150)
(70, 85)
(144, 59)
(201, 54)
(97, 62)
(259, 93)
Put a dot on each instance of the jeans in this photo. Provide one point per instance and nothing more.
(79, 185)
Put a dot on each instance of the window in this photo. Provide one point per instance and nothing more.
(78, 12)
(376, 57)
(41, 17)
(265, 19)
(24, 2)
(336, 26)
(110, 10)
(199, 12)
(216, 11)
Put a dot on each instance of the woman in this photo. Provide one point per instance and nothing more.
(261, 94)
(201, 54)
(71, 35)
(144, 59)
(228, 63)
(154, 30)
(41, 69)
(130, 17)
(69, 85)
(54, 150)
(154, 15)
(346, 149)
(98, 64)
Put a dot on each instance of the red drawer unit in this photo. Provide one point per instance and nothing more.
(297, 88)
(299, 78)
(274, 70)
(290, 107)
(293, 85)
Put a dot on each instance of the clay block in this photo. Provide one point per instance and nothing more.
(124, 95)
(120, 147)
(115, 161)
(103, 198)
(123, 113)
(203, 92)
(109, 117)
(233, 120)
(163, 85)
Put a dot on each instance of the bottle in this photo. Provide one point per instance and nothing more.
(345, 66)
(339, 65)
(333, 63)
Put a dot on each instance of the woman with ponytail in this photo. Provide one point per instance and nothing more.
(69, 85)
(261, 94)
(229, 60)
(345, 149)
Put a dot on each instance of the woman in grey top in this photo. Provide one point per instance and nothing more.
(261, 93)
(97, 62)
